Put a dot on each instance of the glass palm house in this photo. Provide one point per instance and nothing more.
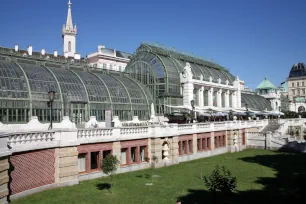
(151, 76)
(159, 68)
(80, 92)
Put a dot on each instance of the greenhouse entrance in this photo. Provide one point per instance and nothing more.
(78, 112)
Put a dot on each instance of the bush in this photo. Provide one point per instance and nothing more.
(109, 166)
(221, 180)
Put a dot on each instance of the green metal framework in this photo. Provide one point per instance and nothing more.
(80, 93)
(160, 68)
(255, 102)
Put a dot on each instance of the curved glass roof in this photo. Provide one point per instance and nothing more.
(41, 81)
(167, 65)
(255, 102)
(70, 84)
(116, 89)
(96, 89)
(13, 82)
(298, 70)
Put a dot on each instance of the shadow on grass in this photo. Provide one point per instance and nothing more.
(147, 176)
(104, 186)
(288, 185)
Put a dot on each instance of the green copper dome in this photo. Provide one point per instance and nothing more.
(266, 84)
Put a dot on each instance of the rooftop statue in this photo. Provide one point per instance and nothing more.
(187, 71)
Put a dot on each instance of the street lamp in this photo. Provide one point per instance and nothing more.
(51, 95)
(192, 112)
(247, 111)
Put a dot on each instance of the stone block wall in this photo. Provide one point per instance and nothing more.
(4, 179)
(67, 165)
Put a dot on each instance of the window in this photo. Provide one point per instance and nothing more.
(110, 67)
(104, 66)
(94, 160)
(189, 146)
(133, 154)
(106, 153)
(204, 144)
(82, 162)
(298, 84)
(142, 153)
(199, 144)
(123, 156)
(208, 142)
(302, 83)
(184, 147)
(293, 92)
(69, 46)
(292, 84)
(120, 68)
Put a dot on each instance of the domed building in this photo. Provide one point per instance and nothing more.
(268, 90)
(297, 87)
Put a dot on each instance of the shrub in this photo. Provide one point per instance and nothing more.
(109, 166)
(221, 180)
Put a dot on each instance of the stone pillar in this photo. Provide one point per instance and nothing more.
(210, 97)
(234, 99)
(67, 169)
(227, 98)
(4, 178)
(238, 99)
(201, 96)
(174, 149)
(156, 149)
(212, 141)
(116, 150)
(188, 93)
(194, 143)
(219, 98)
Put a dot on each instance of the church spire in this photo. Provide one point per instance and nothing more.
(69, 33)
(68, 27)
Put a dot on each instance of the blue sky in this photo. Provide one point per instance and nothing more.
(253, 38)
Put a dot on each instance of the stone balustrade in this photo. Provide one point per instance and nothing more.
(134, 130)
(29, 140)
(21, 141)
(88, 134)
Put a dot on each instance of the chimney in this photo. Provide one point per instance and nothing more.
(43, 52)
(16, 48)
(77, 56)
(30, 50)
(55, 53)
(66, 54)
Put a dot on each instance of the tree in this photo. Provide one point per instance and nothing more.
(221, 180)
(109, 166)
(153, 163)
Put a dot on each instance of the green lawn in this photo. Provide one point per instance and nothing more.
(263, 177)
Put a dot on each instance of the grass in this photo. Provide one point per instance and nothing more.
(263, 177)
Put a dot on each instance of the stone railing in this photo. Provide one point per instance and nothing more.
(93, 134)
(185, 126)
(29, 140)
(203, 125)
(255, 135)
(134, 130)
(66, 134)
(220, 124)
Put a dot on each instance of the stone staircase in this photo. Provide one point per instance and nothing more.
(272, 127)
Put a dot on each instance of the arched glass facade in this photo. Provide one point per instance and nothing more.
(160, 69)
(80, 93)
(255, 102)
